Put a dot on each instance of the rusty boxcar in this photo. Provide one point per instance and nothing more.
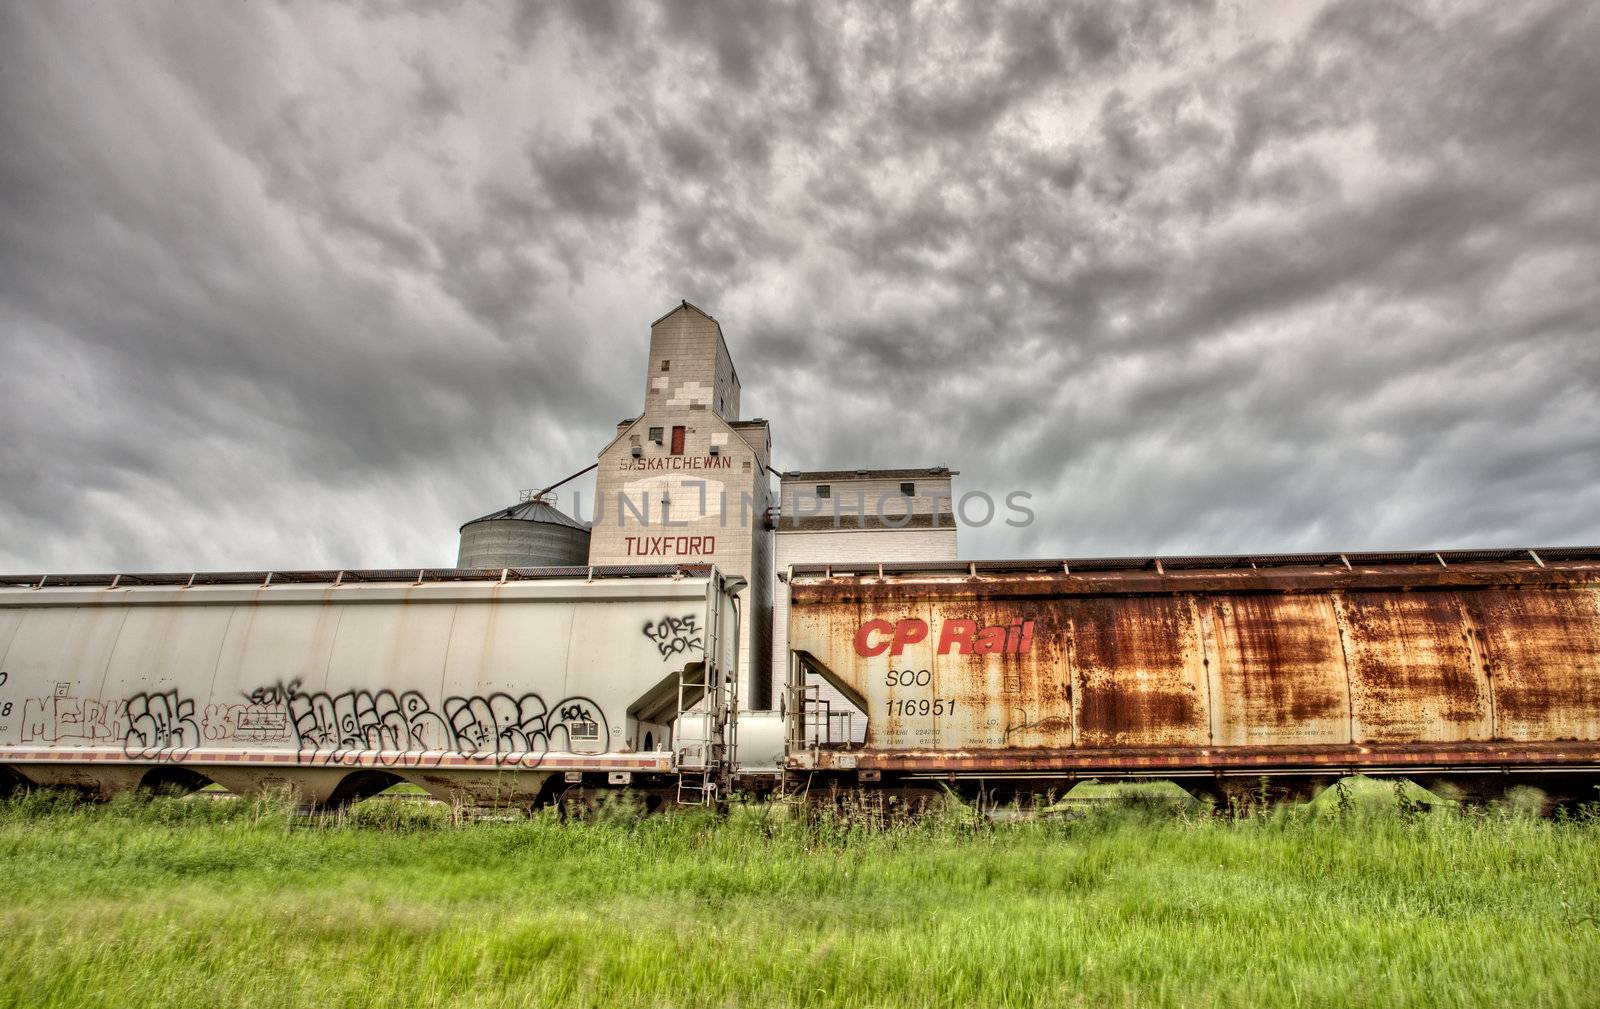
(1477, 668)
(483, 686)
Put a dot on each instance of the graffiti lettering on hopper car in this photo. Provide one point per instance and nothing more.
(1049, 725)
(254, 722)
(500, 725)
(345, 725)
(959, 637)
(405, 729)
(55, 719)
(350, 727)
(160, 726)
(674, 635)
(278, 693)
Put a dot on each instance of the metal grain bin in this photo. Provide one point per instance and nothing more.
(528, 535)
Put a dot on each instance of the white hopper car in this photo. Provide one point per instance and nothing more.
(504, 687)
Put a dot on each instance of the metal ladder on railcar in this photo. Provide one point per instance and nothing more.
(819, 718)
(702, 786)
(815, 723)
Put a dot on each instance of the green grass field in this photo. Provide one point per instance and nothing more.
(229, 902)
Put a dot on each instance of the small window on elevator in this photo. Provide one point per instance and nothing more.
(908, 489)
(824, 490)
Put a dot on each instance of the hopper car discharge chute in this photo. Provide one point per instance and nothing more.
(1467, 671)
(485, 687)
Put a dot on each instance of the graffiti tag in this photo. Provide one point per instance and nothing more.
(672, 635)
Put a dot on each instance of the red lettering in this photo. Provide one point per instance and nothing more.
(863, 648)
(965, 637)
(990, 640)
(908, 632)
(905, 632)
(957, 633)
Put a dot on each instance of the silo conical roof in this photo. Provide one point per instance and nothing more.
(532, 511)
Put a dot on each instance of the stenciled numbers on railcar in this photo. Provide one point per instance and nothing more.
(913, 706)
(903, 707)
(908, 677)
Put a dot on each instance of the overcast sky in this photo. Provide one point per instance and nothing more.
(294, 285)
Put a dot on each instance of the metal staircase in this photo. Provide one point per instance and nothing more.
(812, 721)
(820, 724)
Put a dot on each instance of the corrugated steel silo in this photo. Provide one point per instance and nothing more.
(528, 535)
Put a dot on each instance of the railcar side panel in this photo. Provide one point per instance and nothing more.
(1541, 651)
(271, 650)
(1412, 674)
(168, 648)
(1010, 695)
(54, 669)
(1277, 670)
(1139, 669)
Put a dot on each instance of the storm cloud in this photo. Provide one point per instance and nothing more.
(293, 285)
